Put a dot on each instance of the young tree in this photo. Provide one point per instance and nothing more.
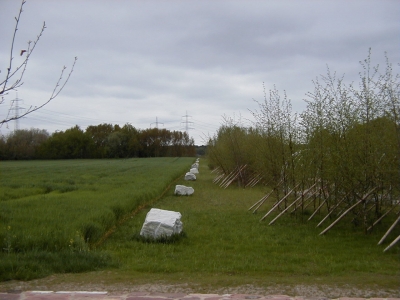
(278, 125)
(12, 77)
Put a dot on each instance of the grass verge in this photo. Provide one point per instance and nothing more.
(226, 245)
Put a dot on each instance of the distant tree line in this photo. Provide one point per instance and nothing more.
(101, 141)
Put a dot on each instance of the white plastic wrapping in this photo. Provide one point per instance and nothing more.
(183, 190)
(190, 176)
(160, 223)
(194, 171)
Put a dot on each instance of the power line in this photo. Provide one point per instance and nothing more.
(156, 123)
(75, 117)
(15, 107)
(187, 123)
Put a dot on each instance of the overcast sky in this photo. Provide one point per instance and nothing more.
(171, 62)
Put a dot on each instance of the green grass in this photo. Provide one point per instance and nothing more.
(64, 207)
(225, 245)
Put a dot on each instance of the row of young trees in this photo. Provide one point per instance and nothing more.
(101, 141)
(344, 148)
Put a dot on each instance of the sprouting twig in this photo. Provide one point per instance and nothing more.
(53, 95)
(7, 85)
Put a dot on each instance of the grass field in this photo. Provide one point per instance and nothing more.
(225, 245)
(52, 212)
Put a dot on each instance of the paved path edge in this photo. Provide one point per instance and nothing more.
(104, 295)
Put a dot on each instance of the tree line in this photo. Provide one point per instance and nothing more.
(100, 141)
(345, 146)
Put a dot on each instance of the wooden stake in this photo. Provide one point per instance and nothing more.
(217, 169)
(218, 178)
(261, 203)
(298, 198)
(263, 199)
(231, 177)
(226, 177)
(319, 224)
(239, 169)
(392, 243)
(351, 208)
(318, 208)
(254, 181)
(389, 230)
(276, 218)
(259, 178)
(279, 202)
(308, 198)
(304, 201)
(384, 215)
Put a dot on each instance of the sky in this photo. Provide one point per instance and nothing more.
(185, 64)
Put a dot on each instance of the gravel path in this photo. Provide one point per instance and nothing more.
(23, 289)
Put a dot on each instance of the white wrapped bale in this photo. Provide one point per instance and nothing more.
(183, 190)
(161, 223)
(194, 171)
(190, 176)
(195, 165)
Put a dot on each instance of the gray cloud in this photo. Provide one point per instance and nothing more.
(138, 60)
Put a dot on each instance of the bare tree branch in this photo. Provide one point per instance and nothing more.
(56, 91)
(22, 67)
(13, 77)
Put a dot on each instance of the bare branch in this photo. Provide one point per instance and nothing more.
(4, 83)
(55, 93)
(22, 67)
(7, 85)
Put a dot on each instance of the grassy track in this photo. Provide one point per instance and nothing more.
(225, 245)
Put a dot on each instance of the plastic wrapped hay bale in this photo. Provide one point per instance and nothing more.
(183, 190)
(190, 176)
(161, 223)
(194, 171)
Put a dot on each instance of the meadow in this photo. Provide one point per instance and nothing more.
(224, 244)
(53, 212)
